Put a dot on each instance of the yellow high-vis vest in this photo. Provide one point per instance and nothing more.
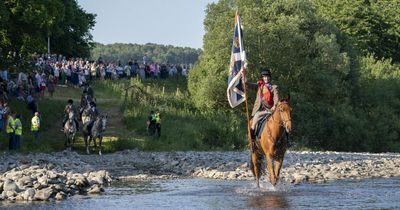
(35, 123)
(10, 124)
(18, 128)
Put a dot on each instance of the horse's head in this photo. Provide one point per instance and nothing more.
(285, 112)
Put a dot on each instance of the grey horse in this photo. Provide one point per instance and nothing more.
(70, 131)
(94, 130)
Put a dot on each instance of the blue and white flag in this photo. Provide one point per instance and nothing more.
(235, 91)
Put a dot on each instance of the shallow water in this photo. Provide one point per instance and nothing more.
(218, 194)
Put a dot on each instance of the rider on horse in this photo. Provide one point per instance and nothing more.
(68, 109)
(267, 99)
(94, 112)
(87, 89)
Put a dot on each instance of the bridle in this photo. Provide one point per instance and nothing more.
(280, 109)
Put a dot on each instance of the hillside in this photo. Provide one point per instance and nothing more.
(183, 126)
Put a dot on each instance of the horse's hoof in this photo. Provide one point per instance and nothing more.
(87, 151)
(99, 152)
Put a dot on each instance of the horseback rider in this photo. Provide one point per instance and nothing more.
(87, 89)
(69, 108)
(90, 114)
(94, 112)
(267, 99)
(85, 99)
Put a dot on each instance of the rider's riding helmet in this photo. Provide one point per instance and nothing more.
(266, 72)
(70, 101)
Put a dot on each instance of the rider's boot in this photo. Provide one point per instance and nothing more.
(63, 123)
(76, 124)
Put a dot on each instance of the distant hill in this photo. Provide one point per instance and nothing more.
(155, 52)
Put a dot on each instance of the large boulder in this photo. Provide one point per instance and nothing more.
(44, 194)
(10, 185)
(29, 194)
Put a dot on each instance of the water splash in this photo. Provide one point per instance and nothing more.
(265, 188)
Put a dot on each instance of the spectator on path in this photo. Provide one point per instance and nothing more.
(57, 73)
(184, 71)
(128, 70)
(145, 59)
(51, 85)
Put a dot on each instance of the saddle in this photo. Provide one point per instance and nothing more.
(260, 125)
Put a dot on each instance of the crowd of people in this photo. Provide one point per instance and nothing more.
(51, 70)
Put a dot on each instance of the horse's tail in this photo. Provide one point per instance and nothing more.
(258, 164)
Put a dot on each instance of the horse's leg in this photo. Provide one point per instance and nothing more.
(72, 141)
(270, 167)
(100, 141)
(278, 166)
(255, 167)
(94, 142)
(68, 142)
(86, 137)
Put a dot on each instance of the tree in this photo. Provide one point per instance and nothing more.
(372, 24)
(155, 52)
(302, 49)
(26, 24)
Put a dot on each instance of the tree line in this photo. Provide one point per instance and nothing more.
(25, 26)
(339, 61)
(154, 52)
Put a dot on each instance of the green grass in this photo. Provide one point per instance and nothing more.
(51, 138)
(183, 126)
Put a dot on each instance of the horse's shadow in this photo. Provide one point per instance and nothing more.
(274, 200)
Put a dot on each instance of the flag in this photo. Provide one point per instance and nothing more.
(235, 91)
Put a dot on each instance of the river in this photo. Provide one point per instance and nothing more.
(220, 194)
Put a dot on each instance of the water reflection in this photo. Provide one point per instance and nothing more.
(268, 201)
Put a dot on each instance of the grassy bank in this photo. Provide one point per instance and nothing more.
(183, 126)
(128, 104)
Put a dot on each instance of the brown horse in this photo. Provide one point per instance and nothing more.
(273, 143)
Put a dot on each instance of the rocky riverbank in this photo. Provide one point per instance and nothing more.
(48, 176)
(62, 174)
(298, 166)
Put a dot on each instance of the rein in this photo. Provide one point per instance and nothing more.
(282, 122)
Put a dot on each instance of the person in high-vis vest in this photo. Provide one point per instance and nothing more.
(35, 125)
(157, 119)
(10, 131)
(18, 131)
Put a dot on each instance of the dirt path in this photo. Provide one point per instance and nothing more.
(110, 106)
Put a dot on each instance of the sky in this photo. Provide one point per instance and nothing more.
(167, 22)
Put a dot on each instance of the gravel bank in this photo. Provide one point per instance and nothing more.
(62, 174)
(298, 166)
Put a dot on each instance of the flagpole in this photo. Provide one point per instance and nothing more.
(243, 80)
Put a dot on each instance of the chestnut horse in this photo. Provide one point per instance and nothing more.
(273, 143)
